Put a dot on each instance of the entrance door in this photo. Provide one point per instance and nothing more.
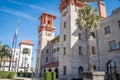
(80, 70)
(111, 70)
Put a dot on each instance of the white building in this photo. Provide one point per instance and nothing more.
(21, 61)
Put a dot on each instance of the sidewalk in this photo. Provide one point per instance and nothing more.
(21, 78)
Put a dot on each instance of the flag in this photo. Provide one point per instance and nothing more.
(16, 32)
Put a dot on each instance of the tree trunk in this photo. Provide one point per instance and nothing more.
(87, 47)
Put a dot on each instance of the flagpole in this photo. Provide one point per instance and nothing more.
(11, 54)
(14, 46)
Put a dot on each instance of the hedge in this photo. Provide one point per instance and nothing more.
(7, 74)
(49, 75)
(28, 75)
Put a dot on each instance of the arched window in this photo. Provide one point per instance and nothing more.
(111, 69)
(80, 69)
(64, 70)
(44, 70)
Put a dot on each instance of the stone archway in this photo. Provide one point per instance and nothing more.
(80, 70)
(111, 69)
(44, 70)
(56, 70)
(49, 70)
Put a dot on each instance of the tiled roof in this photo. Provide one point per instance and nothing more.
(27, 42)
(50, 65)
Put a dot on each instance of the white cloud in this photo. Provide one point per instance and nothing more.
(17, 13)
(27, 5)
(34, 7)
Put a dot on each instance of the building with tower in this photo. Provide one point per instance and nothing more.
(21, 58)
(67, 54)
(46, 32)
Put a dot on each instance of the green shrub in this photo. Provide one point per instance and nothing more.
(53, 76)
(28, 75)
(7, 74)
(18, 74)
(11, 75)
(49, 75)
(4, 74)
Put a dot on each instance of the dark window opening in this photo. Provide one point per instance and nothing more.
(79, 35)
(107, 30)
(80, 50)
(57, 48)
(47, 50)
(44, 70)
(64, 24)
(49, 70)
(93, 34)
(93, 50)
(48, 21)
(54, 50)
(64, 70)
(64, 49)
(46, 59)
(112, 45)
(64, 37)
(94, 67)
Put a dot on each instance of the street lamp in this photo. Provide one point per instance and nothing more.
(90, 53)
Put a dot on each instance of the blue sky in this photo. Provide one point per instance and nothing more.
(29, 11)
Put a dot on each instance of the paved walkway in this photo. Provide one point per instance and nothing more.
(20, 78)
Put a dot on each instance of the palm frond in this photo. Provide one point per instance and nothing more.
(87, 18)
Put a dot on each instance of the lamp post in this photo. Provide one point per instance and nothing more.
(90, 53)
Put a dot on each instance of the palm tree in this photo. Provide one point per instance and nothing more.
(88, 20)
(5, 51)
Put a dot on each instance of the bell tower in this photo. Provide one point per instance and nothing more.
(47, 22)
(46, 31)
(68, 38)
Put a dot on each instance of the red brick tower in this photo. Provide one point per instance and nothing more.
(102, 9)
(47, 22)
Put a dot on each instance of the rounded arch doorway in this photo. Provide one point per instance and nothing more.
(49, 70)
(111, 69)
(80, 70)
